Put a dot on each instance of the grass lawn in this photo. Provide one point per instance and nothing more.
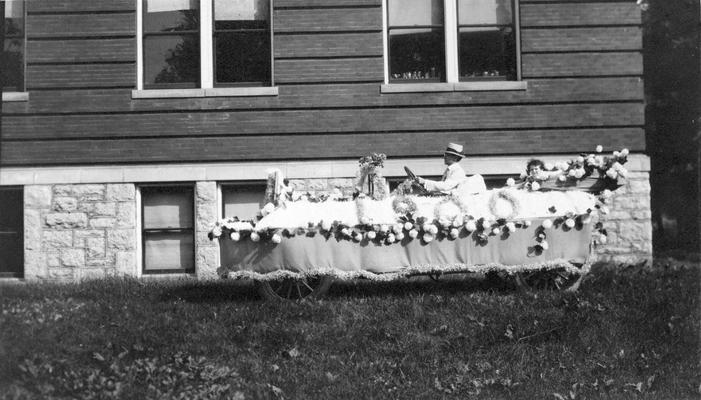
(629, 334)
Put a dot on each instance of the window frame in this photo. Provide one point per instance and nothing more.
(207, 86)
(19, 232)
(224, 186)
(21, 93)
(452, 80)
(143, 231)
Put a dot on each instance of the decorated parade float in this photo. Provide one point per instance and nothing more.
(540, 229)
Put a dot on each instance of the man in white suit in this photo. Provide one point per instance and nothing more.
(454, 178)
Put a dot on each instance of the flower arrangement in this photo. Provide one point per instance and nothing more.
(497, 204)
(370, 173)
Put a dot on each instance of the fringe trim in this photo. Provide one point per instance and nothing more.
(408, 271)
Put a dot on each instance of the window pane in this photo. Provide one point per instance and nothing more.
(12, 65)
(171, 15)
(415, 12)
(14, 18)
(242, 57)
(243, 201)
(11, 232)
(487, 54)
(172, 59)
(240, 14)
(484, 12)
(165, 208)
(169, 251)
(417, 54)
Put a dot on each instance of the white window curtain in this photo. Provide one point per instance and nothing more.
(13, 8)
(170, 5)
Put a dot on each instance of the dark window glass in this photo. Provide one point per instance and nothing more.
(12, 64)
(416, 40)
(171, 43)
(167, 229)
(242, 53)
(11, 233)
(486, 40)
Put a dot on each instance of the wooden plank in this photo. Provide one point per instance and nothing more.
(581, 39)
(305, 146)
(77, 25)
(582, 64)
(81, 75)
(333, 70)
(327, 20)
(80, 5)
(200, 124)
(325, 3)
(338, 95)
(81, 50)
(579, 14)
(328, 45)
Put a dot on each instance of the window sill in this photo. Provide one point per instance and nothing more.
(213, 92)
(15, 96)
(453, 87)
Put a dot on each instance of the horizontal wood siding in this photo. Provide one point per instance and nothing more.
(581, 60)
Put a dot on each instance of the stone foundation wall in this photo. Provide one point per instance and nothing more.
(73, 232)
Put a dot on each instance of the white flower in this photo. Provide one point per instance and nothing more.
(622, 172)
(235, 236)
(433, 229)
(535, 186)
(571, 172)
(326, 225)
(364, 220)
(413, 233)
(526, 223)
(599, 148)
(510, 226)
(510, 182)
(544, 245)
(391, 238)
(216, 231)
(624, 152)
(345, 232)
(549, 166)
(425, 227)
(496, 231)
(276, 238)
(616, 166)
(408, 225)
(523, 175)
(428, 238)
(603, 239)
(611, 173)
(580, 159)
(267, 209)
(357, 236)
(578, 173)
(255, 237)
(444, 222)
(547, 224)
(371, 235)
(607, 194)
(561, 178)
(569, 223)
(562, 166)
(397, 228)
(616, 154)
(456, 223)
(470, 225)
(604, 210)
(599, 160)
(486, 224)
(399, 236)
(384, 228)
(454, 233)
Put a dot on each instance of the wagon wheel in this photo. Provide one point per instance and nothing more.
(554, 279)
(294, 288)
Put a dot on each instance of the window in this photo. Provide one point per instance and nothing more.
(11, 232)
(205, 44)
(167, 223)
(242, 200)
(12, 64)
(452, 41)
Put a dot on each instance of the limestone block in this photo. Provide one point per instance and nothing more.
(65, 204)
(88, 233)
(315, 184)
(105, 209)
(32, 229)
(206, 192)
(102, 222)
(121, 239)
(298, 184)
(120, 192)
(206, 215)
(61, 274)
(88, 192)
(340, 183)
(67, 220)
(103, 263)
(89, 273)
(636, 231)
(37, 196)
(126, 215)
(95, 247)
(618, 215)
(35, 266)
(63, 190)
(73, 258)
(125, 263)
(207, 262)
(53, 260)
(639, 186)
(57, 239)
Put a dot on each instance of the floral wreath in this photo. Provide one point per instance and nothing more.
(448, 200)
(508, 196)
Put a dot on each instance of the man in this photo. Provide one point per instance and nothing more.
(454, 178)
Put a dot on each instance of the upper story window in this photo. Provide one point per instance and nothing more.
(205, 43)
(452, 40)
(12, 64)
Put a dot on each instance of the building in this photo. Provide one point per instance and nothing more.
(129, 126)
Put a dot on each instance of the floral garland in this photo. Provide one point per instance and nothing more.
(508, 196)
